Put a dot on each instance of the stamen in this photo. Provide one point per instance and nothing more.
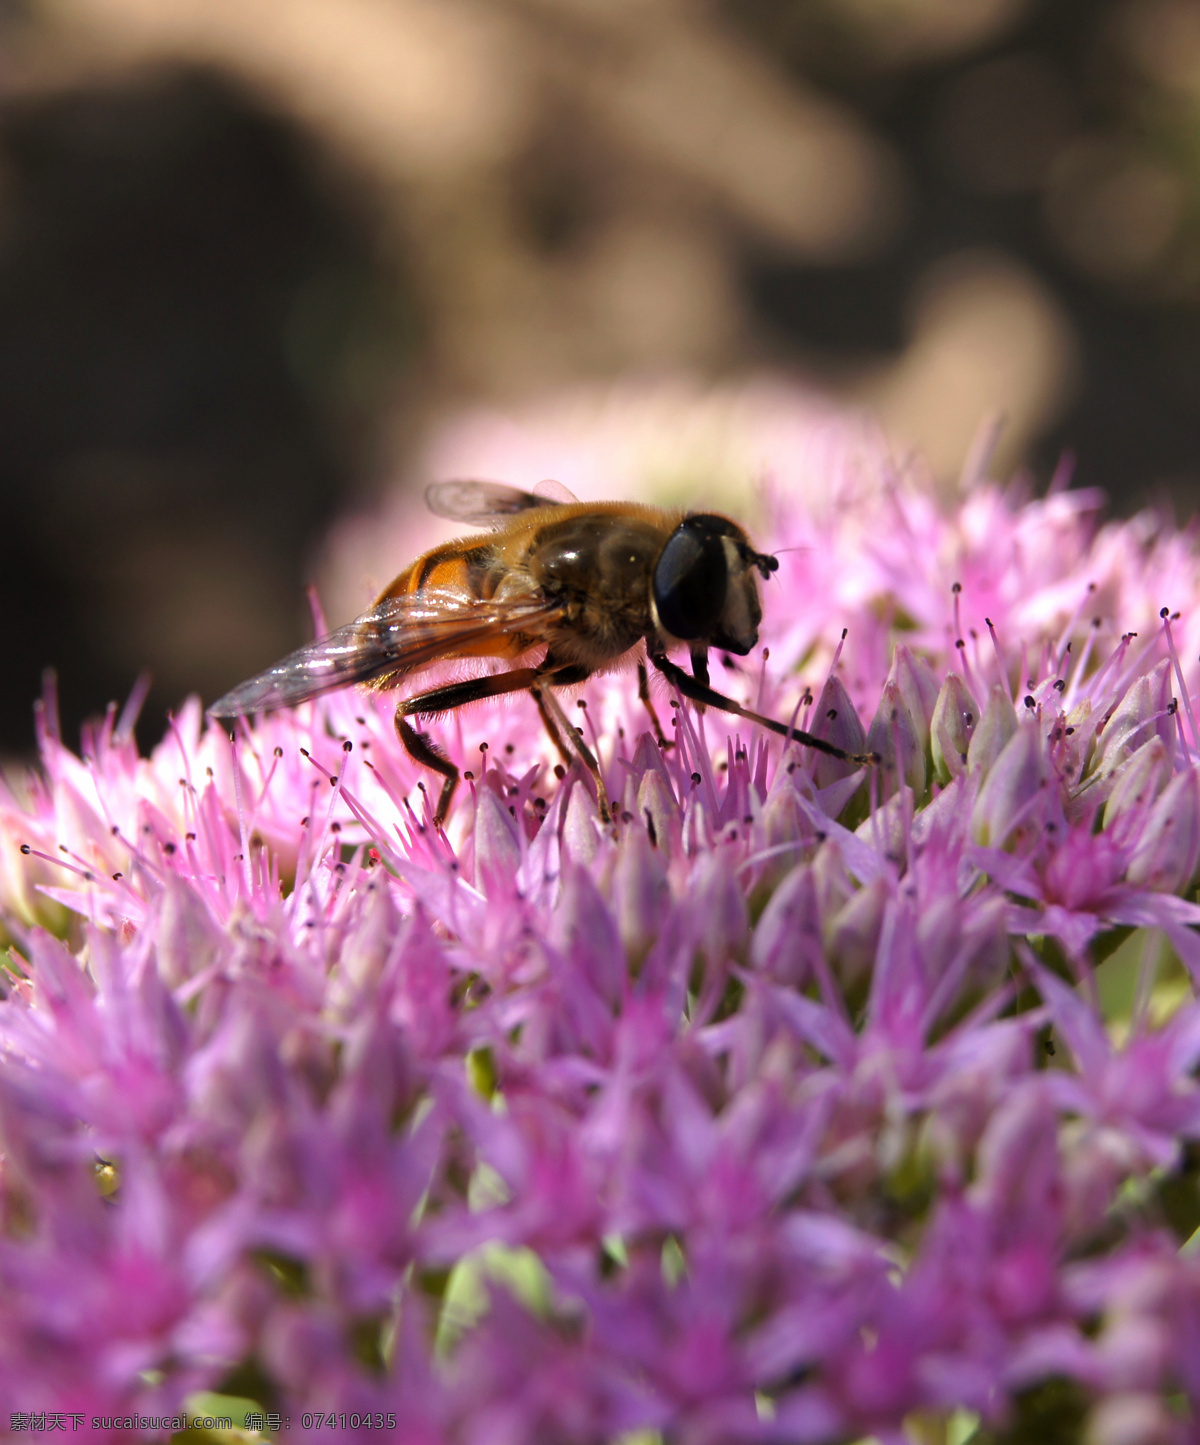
(1165, 614)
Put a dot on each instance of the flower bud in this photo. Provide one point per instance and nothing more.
(832, 878)
(581, 827)
(187, 938)
(789, 930)
(1140, 714)
(955, 717)
(497, 852)
(1168, 851)
(836, 721)
(1014, 781)
(893, 735)
(888, 830)
(1138, 781)
(657, 807)
(719, 913)
(585, 930)
(994, 732)
(366, 949)
(918, 686)
(640, 892)
(852, 934)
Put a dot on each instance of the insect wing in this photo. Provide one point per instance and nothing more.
(553, 494)
(490, 503)
(405, 632)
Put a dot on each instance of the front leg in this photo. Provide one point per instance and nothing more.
(644, 693)
(697, 691)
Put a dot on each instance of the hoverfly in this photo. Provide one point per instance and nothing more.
(584, 583)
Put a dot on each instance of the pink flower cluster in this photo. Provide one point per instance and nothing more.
(804, 1106)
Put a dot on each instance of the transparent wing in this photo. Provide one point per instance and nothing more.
(489, 503)
(553, 494)
(399, 633)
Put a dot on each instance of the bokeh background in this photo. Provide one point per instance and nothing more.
(255, 255)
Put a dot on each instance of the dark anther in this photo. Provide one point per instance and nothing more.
(168, 848)
(1070, 731)
(969, 719)
(483, 747)
(1029, 702)
(1164, 612)
(696, 779)
(26, 849)
(960, 644)
(559, 771)
(115, 831)
(1060, 685)
(956, 587)
(117, 877)
(831, 714)
(469, 775)
(347, 746)
(279, 752)
(334, 827)
(191, 837)
(304, 753)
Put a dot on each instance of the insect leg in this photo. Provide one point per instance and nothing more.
(697, 691)
(446, 699)
(644, 693)
(558, 725)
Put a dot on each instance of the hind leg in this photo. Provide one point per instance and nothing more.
(445, 699)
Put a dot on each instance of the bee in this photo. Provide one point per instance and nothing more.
(586, 585)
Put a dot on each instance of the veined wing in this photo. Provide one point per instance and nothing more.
(486, 504)
(407, 632)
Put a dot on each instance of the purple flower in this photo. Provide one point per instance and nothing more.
(801, 1105)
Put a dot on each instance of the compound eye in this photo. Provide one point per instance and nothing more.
(690, 580)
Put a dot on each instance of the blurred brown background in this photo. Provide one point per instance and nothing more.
(252, 251)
